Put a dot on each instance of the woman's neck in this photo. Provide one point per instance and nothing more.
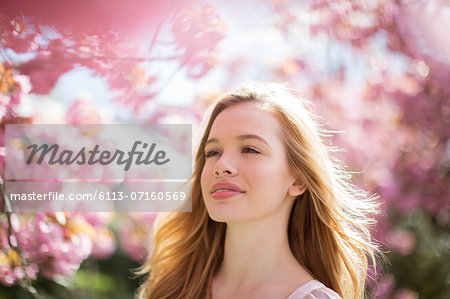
(257, 252)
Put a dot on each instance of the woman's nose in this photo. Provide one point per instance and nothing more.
(224, 167)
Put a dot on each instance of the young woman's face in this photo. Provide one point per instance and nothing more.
(246, 173)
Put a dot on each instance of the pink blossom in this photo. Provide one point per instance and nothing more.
(11, 267)
(83, 112)
(385, 288)
(135, 234)
(401, 241)
(45, 69)
(405, 293)
(104, 243)
(53, 243)
(62, 243)
(12, 270)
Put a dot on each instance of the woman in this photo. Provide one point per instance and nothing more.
(272, 215)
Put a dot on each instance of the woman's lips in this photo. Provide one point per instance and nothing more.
(225, 194)
(225, 190)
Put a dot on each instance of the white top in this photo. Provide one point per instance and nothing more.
(314, 289)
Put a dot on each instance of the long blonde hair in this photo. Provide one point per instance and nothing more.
(328, 226)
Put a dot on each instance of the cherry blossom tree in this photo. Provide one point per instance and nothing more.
(116, 41)
(377, 71)
(395, 122)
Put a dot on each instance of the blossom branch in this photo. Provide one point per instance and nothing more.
(24, 282)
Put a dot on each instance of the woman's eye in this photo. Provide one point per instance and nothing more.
(211, 153)
(249, 150)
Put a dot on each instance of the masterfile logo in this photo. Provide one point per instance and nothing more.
(97, 167)
(91, 157)
(98, 152)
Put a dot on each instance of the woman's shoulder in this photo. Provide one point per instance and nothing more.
(314, 289)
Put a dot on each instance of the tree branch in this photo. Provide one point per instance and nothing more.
(26, 281)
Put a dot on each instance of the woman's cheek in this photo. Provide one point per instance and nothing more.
(204, 178)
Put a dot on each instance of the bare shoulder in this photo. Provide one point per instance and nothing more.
(279, 288)
(314, 290)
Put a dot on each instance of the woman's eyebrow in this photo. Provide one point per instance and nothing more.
(253, 136)
(212, 140)
(241, 137)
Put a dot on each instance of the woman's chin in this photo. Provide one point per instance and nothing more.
(223, 216)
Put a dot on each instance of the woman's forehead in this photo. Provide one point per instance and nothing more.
(245, 119)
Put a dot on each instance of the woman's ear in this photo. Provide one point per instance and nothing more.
(297, 188)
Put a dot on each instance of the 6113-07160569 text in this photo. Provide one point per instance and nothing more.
(93, 196)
